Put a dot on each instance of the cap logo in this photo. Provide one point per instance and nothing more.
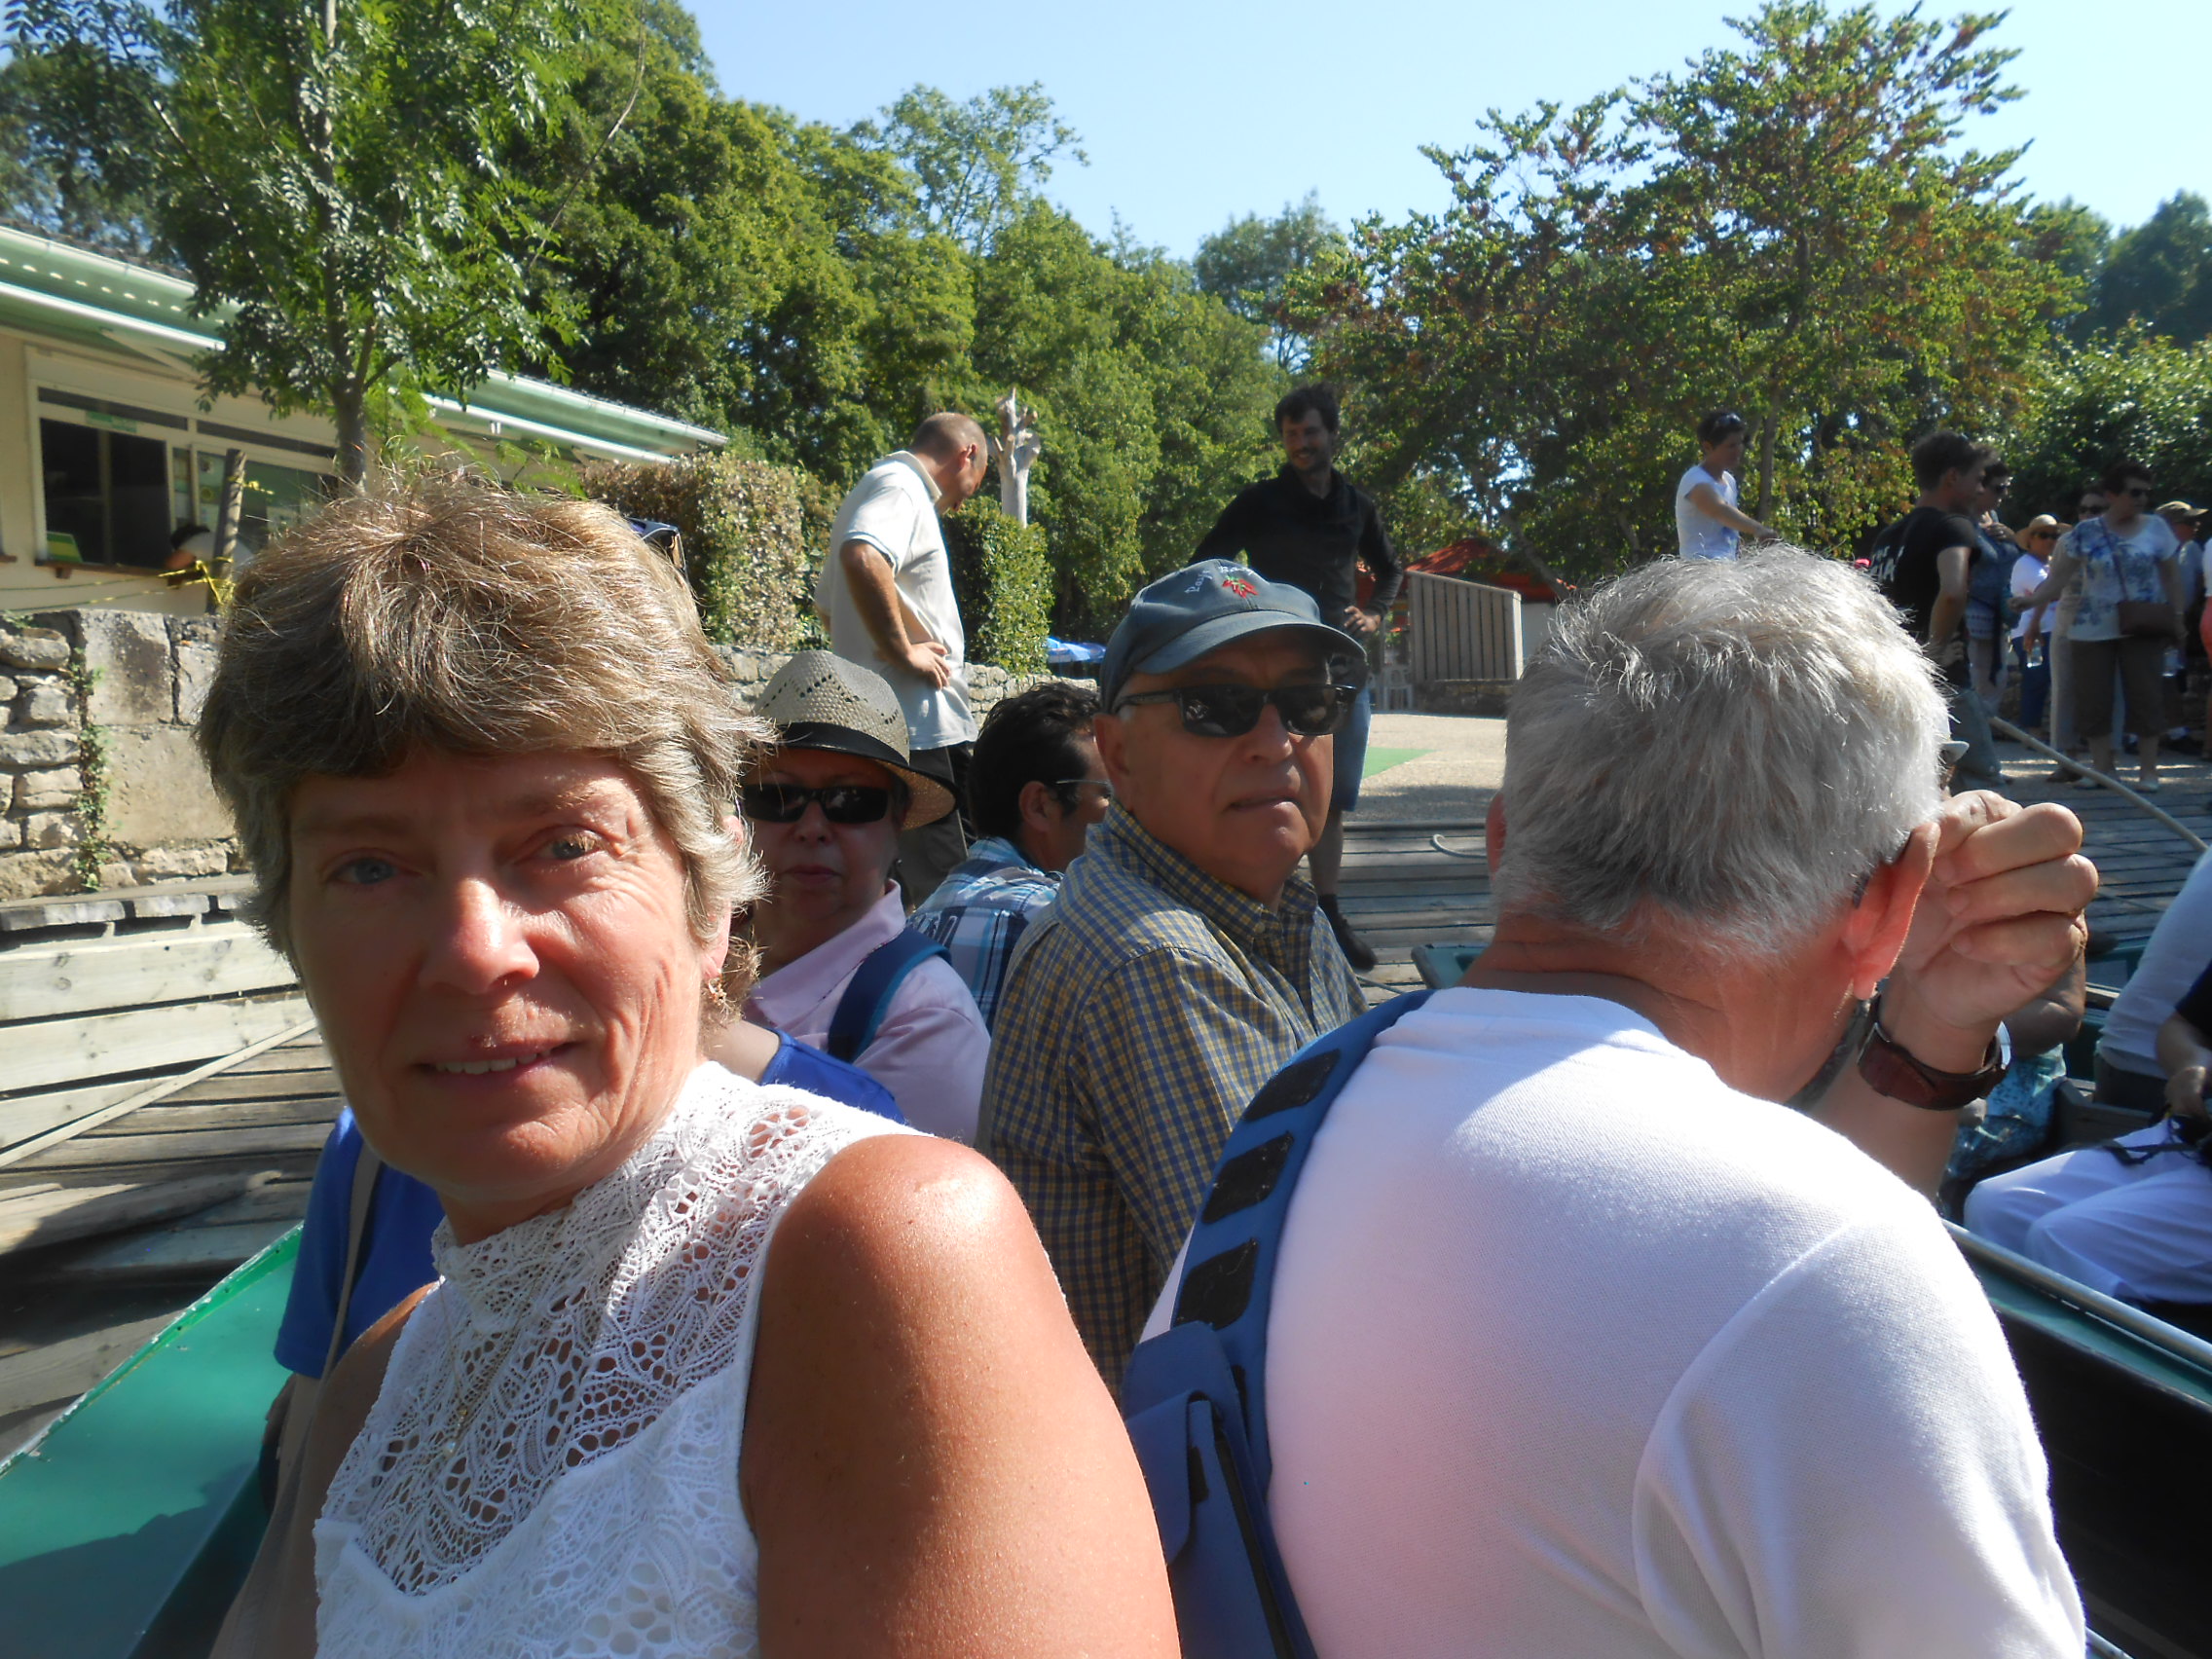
(1239, 586)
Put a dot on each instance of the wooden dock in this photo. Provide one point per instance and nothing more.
(163, 1097)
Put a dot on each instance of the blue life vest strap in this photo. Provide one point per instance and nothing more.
(868, 993)
(1195, 1397)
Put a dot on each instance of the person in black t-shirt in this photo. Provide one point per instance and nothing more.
(1307, 526)
(1923, 564)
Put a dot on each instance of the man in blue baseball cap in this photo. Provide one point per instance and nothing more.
(1183, 963)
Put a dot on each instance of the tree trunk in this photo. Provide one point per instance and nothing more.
(349, 407)
(1767, 424)
(228, 511)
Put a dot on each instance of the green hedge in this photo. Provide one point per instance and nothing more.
(1005, 582)
(745, 539)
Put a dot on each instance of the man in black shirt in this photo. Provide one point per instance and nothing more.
(1306, 526)
(1923, 562)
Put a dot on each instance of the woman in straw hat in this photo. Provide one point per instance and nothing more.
(711, 1367)
(837, 966)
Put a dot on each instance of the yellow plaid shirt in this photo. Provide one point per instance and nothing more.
(1141, 1014)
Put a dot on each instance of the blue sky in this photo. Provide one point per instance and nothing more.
(1193, 113)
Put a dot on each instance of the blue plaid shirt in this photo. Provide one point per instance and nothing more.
(980, 912)
(1139, 1018)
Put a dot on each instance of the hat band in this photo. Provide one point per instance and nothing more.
(842, 739)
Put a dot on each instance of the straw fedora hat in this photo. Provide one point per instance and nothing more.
(819, 700)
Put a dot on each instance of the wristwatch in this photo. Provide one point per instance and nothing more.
(1890, 1071)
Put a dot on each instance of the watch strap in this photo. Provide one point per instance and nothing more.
(1890, 1071)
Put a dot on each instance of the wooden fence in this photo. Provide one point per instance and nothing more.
(1459, 630)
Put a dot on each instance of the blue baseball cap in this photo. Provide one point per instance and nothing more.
(1184, 616)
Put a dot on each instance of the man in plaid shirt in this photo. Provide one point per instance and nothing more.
(1034, 789)
(1182, 964)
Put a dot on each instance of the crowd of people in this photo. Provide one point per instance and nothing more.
(743, 1220)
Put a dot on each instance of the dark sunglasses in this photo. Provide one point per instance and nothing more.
(841, 803)
(2141, 492)
(1231, 711)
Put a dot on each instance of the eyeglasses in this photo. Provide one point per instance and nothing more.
(1231, 711)
(1078, 785)
(2141, 492)
(841, 803)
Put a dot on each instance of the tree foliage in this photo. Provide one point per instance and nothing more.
(2158, 274)
(2133, 395)
(1793, 228)
(1248, 264)
(974, 165)
(334, 177)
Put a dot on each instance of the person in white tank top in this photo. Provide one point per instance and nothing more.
(1707, 522)
(710, 1368)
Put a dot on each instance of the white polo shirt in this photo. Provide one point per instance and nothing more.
(893, 509)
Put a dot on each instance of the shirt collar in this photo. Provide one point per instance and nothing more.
(797, 987)
(1283, 935)
(996, 853)
(921, 471)
(1289, 476)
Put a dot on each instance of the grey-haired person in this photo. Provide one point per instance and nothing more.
(482, 759)
(886, 591)
(1580, 1341)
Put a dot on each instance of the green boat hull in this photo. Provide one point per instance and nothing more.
(126, 1529)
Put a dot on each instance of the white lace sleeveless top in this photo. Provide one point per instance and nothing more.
(551, 1465)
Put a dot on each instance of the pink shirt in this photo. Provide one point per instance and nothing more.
(932, 1046)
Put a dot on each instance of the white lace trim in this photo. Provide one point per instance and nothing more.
(590, 1506)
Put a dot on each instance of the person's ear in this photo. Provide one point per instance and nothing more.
(1875, 928)
(1112, 734)
(1040, 806)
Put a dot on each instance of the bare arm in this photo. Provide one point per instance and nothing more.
(2185, 1057)
(875, 596)
(2063, 564)
(1950, 606)
(1999, 921)
(1707, 499)
(931, 1465)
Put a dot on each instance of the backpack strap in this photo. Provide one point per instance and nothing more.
(1195, 1397)
(360, 1199)
(868, 993)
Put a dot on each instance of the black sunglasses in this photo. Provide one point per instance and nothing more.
(1231, 711)
(841, 803)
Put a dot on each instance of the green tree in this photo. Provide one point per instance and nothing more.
(1795, 229)
(975, 165)
(2159, 274)
(332, 179)
(55, 133)
(1248, 263)
(2134, 395)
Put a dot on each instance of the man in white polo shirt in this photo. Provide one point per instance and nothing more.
(887, 591)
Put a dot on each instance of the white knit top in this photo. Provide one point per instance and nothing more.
(551, 1466)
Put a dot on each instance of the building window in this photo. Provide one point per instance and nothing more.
(108, 495)
(276, 497)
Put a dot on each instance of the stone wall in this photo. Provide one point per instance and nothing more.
(106, 789)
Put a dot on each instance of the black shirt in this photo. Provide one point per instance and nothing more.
(1904, 563)
(1309, 541)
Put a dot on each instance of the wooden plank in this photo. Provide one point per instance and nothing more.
(107, 1150)
(99, 1045)
(196, 1251)
(53, 1137)
(59, 980)
(63, 1370)
(86, 1212)
(166, 1117)
(259, 1085)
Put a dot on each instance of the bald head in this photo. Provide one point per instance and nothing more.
(956, 452)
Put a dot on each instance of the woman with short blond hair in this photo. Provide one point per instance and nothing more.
(711, 1367)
